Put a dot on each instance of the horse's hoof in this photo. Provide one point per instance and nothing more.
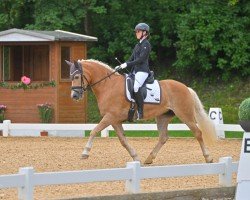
(210, 161)
(148, 161)
(85, 156)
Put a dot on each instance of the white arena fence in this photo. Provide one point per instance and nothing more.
(72, 130)
(26, 179)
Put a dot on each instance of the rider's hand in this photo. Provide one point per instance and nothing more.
(124, 65)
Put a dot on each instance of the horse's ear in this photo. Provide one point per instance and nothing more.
(68, 62)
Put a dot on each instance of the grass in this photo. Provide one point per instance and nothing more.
(231, 134)
(228, 134)
(227, 97)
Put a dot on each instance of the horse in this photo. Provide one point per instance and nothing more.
(108, 87)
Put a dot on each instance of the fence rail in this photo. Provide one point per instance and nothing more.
(26, 180)
(7, 127)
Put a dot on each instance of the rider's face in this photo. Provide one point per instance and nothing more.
(138, 34)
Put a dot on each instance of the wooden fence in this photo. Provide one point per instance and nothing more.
(27, 179)
(7, 127)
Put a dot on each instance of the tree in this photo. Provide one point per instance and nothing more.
(15, 13)
(214, 38)
(68, 15)
(198, 37)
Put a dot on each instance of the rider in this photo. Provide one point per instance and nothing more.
(139, 63)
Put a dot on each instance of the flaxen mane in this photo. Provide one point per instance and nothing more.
(99, 63)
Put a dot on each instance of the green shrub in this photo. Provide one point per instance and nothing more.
(244, 110)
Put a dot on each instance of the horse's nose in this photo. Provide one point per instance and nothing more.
(74, 95)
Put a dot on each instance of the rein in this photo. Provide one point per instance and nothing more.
(108, 76)
(84, 88)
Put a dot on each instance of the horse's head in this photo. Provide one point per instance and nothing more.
(76, 76)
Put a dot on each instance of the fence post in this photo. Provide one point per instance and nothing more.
(225, 179)
(105, 133)
(133, 185)
(26, 192)
(6, 127)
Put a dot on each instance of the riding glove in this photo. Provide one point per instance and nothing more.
(122, 66)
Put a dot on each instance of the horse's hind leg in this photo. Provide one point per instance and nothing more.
(198, 135)
(120, 133)
(162, 126)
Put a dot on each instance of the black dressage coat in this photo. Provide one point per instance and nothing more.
(139, 58)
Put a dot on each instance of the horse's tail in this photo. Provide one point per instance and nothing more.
(204, 122)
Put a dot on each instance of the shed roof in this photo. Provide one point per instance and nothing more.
(20, 35)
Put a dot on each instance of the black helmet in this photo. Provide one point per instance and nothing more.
(142, 26)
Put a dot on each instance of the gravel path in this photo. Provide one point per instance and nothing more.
(48, 154)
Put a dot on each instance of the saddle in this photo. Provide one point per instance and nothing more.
(151, 91)
(130, 79)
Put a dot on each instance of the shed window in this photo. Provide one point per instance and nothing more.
(31, 61)
(6, 64)
(65, 55)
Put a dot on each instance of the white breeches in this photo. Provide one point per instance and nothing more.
(140, 78)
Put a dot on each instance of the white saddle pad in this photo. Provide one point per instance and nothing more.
(153, 93)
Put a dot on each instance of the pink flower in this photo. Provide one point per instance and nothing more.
(25, 80)
(3, 107)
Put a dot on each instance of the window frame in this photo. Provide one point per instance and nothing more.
(62, 60)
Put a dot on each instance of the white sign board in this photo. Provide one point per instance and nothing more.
(243, 176)
(215, 114)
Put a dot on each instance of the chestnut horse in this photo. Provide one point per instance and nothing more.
(109, 88)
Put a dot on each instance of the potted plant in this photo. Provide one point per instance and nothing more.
(2, 110)
(244, 114)
(46, 113)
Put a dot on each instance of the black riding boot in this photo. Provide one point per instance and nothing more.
(139, 102)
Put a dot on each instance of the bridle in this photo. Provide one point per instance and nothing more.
(83, 88)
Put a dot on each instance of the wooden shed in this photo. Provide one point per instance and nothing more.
(40, 56)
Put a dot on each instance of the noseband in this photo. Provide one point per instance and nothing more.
(82, 88)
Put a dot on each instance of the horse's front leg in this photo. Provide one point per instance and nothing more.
(102, 125)
(120, 133)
